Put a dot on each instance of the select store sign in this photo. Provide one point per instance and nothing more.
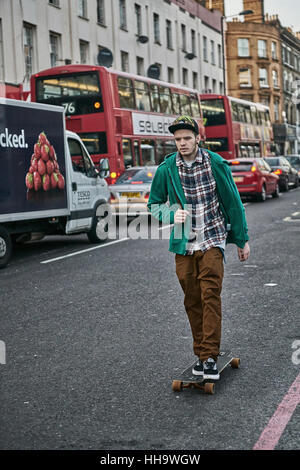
(149, 124)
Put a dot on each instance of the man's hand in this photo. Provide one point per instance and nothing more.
(244, 253)
(180, 216)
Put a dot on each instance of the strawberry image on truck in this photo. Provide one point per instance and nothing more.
(41, 187)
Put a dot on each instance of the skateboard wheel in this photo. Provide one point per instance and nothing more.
(177, 386)
(209, 388)
(235, 363)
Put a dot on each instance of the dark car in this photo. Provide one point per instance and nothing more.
(295, 162)
(255, 178)
(288, 176)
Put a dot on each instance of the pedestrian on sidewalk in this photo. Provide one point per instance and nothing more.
(193, 189)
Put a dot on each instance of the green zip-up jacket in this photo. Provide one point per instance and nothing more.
(167, 195)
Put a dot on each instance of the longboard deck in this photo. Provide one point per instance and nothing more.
(187, 379)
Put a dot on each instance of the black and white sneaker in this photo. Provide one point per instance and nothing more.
(210, 369)
(198, 368)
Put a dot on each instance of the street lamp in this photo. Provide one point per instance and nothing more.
(242, 13)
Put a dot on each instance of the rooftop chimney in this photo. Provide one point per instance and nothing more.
(215, 5)
(257, 6)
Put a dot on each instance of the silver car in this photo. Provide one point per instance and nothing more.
(130, 193)
(295, 162)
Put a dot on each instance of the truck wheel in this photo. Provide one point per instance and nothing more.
(5, 247)
(99, 229)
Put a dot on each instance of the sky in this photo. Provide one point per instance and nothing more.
(287, 10)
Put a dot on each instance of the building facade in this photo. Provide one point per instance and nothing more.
(182, 37)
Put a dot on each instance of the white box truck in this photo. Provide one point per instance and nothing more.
(48, 182)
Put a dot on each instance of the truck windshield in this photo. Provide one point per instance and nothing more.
(213, 112)
(79, 93)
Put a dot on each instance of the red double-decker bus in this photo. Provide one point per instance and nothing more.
(236, 128)
(118, 115)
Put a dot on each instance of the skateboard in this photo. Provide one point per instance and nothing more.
(188, 380)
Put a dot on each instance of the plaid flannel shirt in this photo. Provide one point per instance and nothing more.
(199, 187)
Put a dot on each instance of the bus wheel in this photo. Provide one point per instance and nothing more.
(99, 229)
(5, 247)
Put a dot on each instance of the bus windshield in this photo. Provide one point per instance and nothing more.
(78, 93)
(213, 112)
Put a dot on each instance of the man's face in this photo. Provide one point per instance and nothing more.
(186, 142)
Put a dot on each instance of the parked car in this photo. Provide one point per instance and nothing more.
(130, 193)
(288, 176)
(295, 162)
(254, 178)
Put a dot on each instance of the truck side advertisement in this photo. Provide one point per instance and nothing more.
(32, 160)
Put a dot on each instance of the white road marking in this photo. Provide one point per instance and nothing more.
(83, 251)
(271, 284)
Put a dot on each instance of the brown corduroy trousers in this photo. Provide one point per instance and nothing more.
(201, 276)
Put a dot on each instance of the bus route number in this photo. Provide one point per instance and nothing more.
(69, 107)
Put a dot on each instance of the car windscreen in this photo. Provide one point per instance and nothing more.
(294, 161)
(273, 161)
(136, 176)
(240, 166)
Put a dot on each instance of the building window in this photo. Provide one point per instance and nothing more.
(170, 75)
(82, 8)
(169, 34)
(274, 50)
(262, 48)
(185, 76)
(245, 77)
(28, 32)
(140, 66)
(100, 12)
(206, 85)
(156, 28)
(275, 78)
(264, 100)
(54, 49)
(124, 61)
(183, 37)
(212, 51)
(195, 80)
(54, 2)
(84, 52)
(214, 85)
(243, 47)
(205, 55)
(122, 10)
(193, 41)
(221, 88)
(263, 78)
(220, 61)
(138, 18)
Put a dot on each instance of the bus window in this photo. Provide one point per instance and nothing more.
(241, 112)
(216, 144)
(142, 97)
(160, 152)
(234, 111)
(136, 150)
(185, 104)
(262, 117)
(195, 106)
(253, 115)
(78, 93)
(176, 103)
(257, 151)
(127, 153)
(165, 100)
(95, 142)
(251, 152)
(148, 152)
(213, 112)
(154, 93)
(170, 146)
(126, 94)
(243, 151)
(248, 115)
(267, 118)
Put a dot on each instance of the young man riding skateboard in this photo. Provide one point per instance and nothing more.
(194, 190)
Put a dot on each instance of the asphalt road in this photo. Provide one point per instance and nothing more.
(94, 340)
